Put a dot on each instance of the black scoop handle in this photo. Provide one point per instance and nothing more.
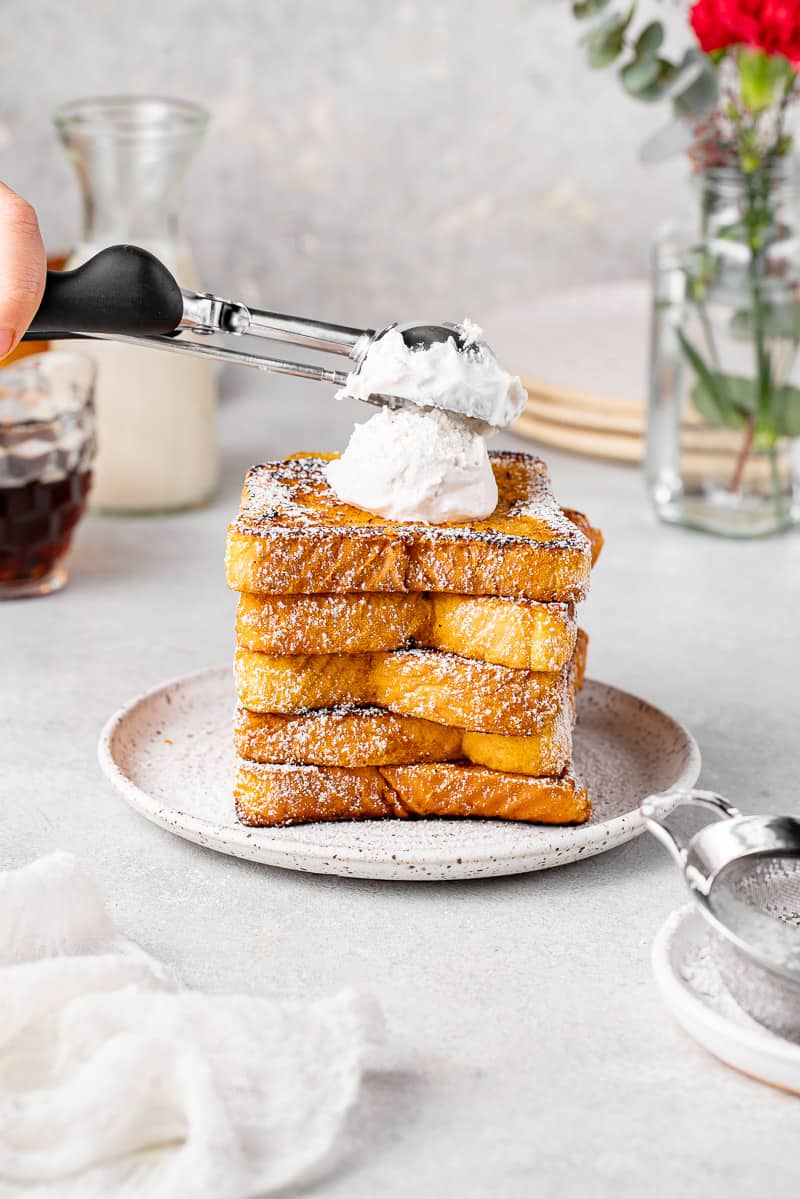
(123, 289)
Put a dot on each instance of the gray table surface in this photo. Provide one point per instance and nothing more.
(527, 1050)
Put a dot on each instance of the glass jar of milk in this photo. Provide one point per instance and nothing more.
(156, 411)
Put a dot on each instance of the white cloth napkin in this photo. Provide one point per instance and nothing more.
(114, 1082)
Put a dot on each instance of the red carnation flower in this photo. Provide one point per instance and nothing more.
(769, 25)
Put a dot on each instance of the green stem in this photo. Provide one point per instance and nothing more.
(708, 334)
(783, 107)
(756, 216)
(775, 478)
(764, 391)
(700, 307)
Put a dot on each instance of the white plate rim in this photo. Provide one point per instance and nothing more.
(758, 1054)
(619, 828)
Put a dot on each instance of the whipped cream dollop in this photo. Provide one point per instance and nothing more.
(469, 380)
(429, 461)
(423, 465)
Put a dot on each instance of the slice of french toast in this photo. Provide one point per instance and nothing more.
(293, 537)
(269, 794)
(374, 737)
(440, 687)
(444, 688)
(521, 634)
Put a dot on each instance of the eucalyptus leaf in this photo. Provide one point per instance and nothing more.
(601, 51)
(692, 86)
(588, 8)
(613, 22)
(666, 142)
(700, 94)
(691, 67)
(606, 41)
(639, 74)
(602, 54)
(650, 39)
(660, 86)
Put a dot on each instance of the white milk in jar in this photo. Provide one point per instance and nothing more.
(156, 417)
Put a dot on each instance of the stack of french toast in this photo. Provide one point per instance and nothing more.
(396, 669)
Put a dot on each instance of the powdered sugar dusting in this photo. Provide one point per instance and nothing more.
(298, 538)
(352, 670)
(265, 796)
(444, 688)
(515, 633)
(348, 735)
(266, 497)
(287, 490)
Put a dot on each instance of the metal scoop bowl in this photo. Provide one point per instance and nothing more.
(743, 872)
(126, 294)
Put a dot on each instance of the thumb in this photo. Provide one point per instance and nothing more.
(23, 267)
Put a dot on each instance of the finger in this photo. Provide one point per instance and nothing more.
(23, 267)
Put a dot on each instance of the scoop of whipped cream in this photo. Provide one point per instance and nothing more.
(469, 380)
(420, 464)
(427, 462)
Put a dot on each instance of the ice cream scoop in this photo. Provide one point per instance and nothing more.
(124, 293)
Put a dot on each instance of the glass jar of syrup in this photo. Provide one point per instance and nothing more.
(47, 443)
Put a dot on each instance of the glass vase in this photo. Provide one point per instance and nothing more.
(156, 412)
(724, 388)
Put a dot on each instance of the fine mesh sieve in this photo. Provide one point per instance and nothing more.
(744, 874)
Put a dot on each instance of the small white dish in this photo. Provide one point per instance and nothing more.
(169, 754)
(687, 977)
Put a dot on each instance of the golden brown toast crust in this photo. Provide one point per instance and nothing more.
(357, 736)
(522, 634)
(374, 737)
(293, 536)
(596, 539)
(444, 688)
(268, 795)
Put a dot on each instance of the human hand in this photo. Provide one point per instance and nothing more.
(23, 268)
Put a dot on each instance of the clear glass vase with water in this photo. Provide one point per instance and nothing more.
(724, 411)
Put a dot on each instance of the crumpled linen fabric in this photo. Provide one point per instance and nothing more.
(116, 1082)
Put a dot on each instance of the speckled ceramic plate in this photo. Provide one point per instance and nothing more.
(683, 965)
(169, 754)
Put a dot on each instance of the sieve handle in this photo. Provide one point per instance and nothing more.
(654, 804)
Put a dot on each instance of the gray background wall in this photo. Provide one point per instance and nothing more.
(368, 160)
